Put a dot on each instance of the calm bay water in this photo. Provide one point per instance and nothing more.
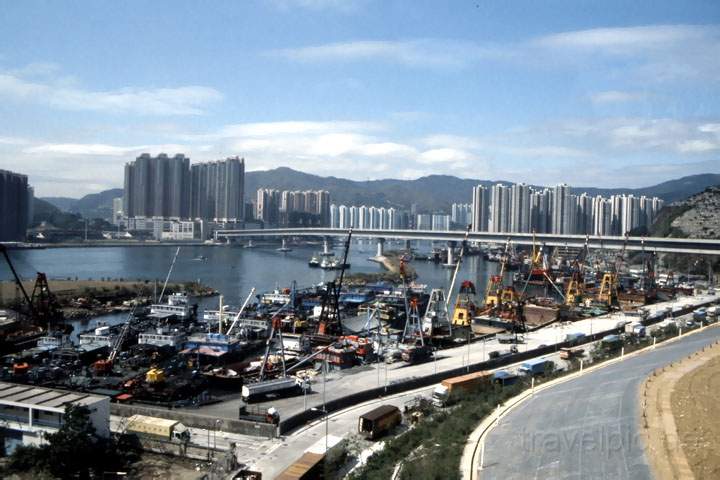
(233, 271)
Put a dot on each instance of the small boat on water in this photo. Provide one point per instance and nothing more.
(332, 263)
(224, 377)
(200, 258)
(314, 262)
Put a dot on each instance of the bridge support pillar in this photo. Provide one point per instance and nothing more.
(451, 253)
(407, 245)
(326, 247)
(380, 247)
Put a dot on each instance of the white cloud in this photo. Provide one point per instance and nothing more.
(445, 155)
(13, 141)
(710, 128)
(413, 53)
(544, 151)
(457, 141)
(269, 129)
(615, 96)
(698, 146)
(186, 100)
(627, 135)
(627, 40)
(95, 149)
(657, 52)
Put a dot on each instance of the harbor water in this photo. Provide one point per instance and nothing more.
(232, 271)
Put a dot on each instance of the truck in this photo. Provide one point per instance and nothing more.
(258, 414)
(611, 342)
(275, 387)
(502, 353)
(416, 353)
(159, 428)
(504, 378)
(379, 421)
(536, 366)
(451, 388)
(509, 338)
(569, 353)
(574, 338)
(635, 329)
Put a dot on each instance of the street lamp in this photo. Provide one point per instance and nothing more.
(217, 421)
(324, 412)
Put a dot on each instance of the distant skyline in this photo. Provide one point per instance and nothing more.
(605, 94)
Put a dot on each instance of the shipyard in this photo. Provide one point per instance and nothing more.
(359, 240)
(274, 361)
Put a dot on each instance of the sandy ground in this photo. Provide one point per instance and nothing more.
(682, 417)
(62, 288)
(160, 467)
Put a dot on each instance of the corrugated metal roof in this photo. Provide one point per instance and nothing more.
(303, 465)
(42, 397)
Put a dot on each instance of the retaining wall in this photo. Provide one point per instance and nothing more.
(198, 421)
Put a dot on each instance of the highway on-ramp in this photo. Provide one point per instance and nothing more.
(585, 428)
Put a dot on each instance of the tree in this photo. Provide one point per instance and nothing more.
(75, 450)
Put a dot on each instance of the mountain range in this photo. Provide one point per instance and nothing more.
(430, 193)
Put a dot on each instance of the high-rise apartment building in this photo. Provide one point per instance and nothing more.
(218, 190)
(520, 208)
(499, 208)
(480, 209)
(561, 210)
(157, 186)
(16, 199)
(296, 208)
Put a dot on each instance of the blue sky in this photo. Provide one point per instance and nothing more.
(591, 93)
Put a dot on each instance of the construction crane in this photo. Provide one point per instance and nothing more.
(608, 293)
(329, 322)
(43, 308)
(576, 287)
(106, 365)
(18, 281)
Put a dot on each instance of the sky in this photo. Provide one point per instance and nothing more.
(606, 93)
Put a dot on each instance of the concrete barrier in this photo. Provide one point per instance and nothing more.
(294, 421)
(188, 419)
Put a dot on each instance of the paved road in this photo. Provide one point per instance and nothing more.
(340, 384)
(585, 428)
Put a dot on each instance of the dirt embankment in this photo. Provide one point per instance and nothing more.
(681, 419)
(87, 298)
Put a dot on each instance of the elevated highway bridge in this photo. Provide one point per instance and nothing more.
(649, 244)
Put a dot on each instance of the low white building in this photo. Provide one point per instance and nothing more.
(162, 338)
(28, 413)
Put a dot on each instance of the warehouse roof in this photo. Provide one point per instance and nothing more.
(43, 398)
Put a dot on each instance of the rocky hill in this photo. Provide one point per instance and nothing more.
(95, 205)
(695, 217)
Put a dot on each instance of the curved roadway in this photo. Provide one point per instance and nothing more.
(586, 428)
